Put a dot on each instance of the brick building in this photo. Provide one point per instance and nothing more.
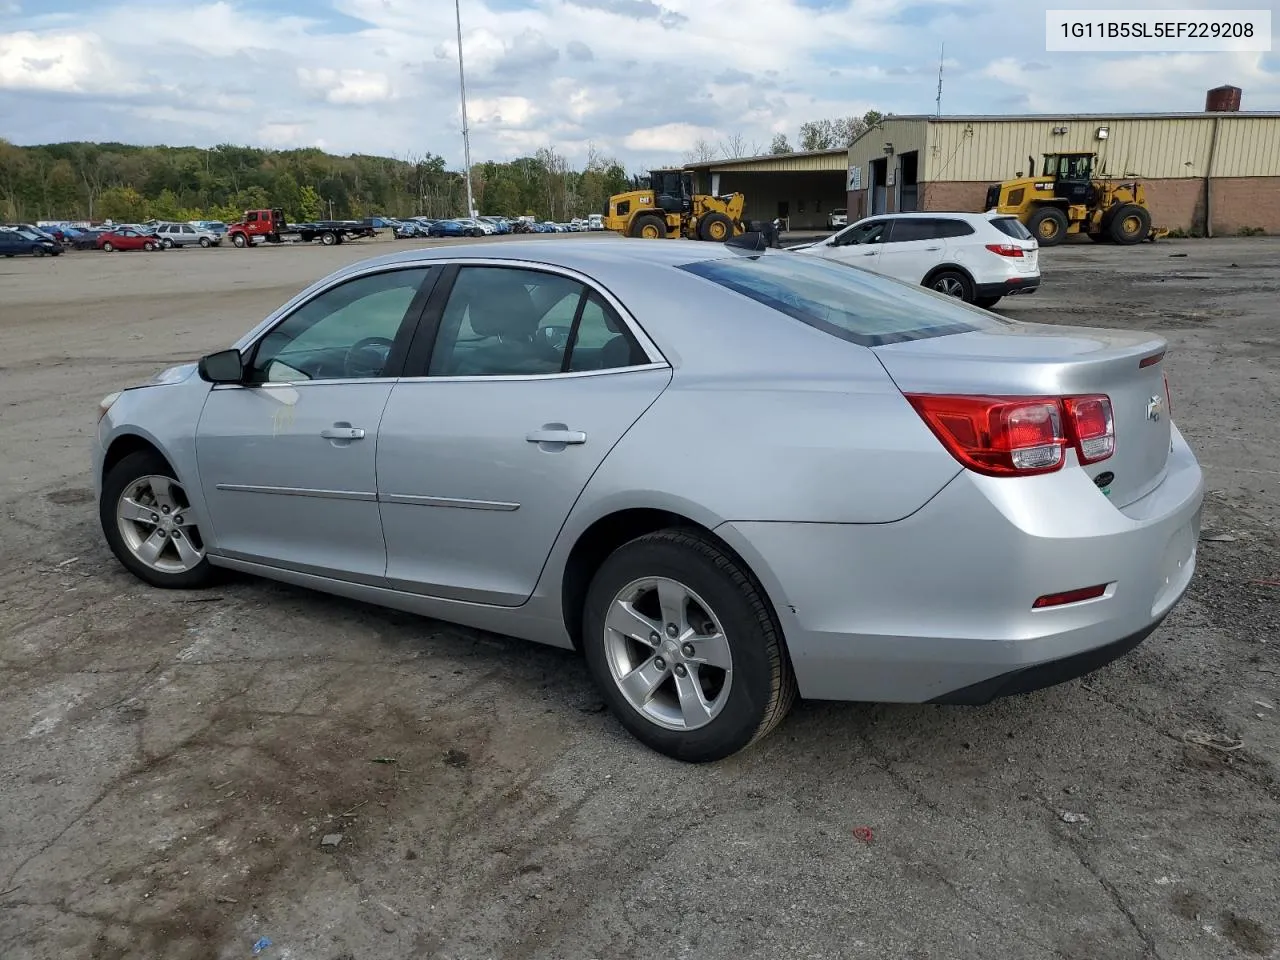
(1221, 167)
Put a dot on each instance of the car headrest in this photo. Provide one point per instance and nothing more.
(503, 309)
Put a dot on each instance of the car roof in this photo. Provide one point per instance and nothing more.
(935, 214)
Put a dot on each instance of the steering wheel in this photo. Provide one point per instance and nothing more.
(366, 358)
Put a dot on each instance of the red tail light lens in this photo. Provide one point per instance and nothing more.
(997, 436)
(1006, 249)
(1018, 436)
(1092, 427)
(1070, 596)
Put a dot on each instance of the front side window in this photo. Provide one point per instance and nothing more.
(873, 232)
(347, 332)
(844, 301)
(504, 321)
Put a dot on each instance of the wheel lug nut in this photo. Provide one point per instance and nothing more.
(660, 663)
(178, 518)
(680, 670)
(654, 639)
(164, 509)
(672, 629)
(688, 650)
(155, 518)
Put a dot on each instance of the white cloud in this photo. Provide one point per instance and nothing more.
(646, 78)
(347, 86)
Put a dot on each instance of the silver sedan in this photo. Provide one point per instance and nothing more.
(728, 476)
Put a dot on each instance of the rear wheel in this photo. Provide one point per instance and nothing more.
(108, 247)
(166, 243)
(328, 238)
(649, 227)
(37, 251)
(715, 227)
(685, 648)
(953, 283)
(1049, 226)
(986, 303)
(148, 523)
(1130, 224)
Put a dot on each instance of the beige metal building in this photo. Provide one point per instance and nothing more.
(802, 188)
(1220, 168)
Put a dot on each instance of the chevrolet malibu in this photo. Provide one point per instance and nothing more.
(728, 476)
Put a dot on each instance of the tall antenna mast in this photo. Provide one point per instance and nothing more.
(466, 133)
(941, 57)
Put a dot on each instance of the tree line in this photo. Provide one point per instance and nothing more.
(122, 182)
(814, 135)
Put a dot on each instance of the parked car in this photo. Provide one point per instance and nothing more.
(944, 506)
(500, 225)
(976, 257)
(216, 227)
(454, 228)
(837, 219)
(185, 235)
(485, 228)
(88, 239)
(19, 241)
(127, 238)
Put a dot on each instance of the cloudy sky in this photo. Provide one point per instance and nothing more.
(639, 79)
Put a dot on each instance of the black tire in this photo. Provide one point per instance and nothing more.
(763, 686)
(715, 227)
(1130, 224)
(649, 223)
(108, 247)
(953, 283)
(37, 251)
(118, 479)
(206, 242)
(166, 243)
(328, 238)
(1049, 226)
(240, 240)
(148, 246)
(986, 303)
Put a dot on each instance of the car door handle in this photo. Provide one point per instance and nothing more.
(932, 249)
(871, 253)
(556, 435)
(342, 431)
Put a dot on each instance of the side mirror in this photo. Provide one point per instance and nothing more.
(225, 366)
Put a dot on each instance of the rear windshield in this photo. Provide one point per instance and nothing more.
(844, 301)
(1011, 227)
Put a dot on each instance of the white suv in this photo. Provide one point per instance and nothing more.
(978, 257)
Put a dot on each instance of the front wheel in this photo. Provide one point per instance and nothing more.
(685, 648)
(715, 227)
(205, 242)
(149, 525)
(37, 251)
(148, 246)
(1130, 224)
(239, 240)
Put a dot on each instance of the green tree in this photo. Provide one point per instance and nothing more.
(308, 204)
(122, 204)
(780, 144)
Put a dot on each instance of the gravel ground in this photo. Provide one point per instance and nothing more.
(170, 764)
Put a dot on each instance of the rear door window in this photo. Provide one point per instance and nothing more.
(844, 301)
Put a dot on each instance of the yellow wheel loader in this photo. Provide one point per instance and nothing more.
(671, 210)
(1067, 198)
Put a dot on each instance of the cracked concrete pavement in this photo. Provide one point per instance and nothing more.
(169, 763)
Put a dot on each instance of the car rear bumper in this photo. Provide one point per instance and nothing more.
(1008, 288)
(938, 606)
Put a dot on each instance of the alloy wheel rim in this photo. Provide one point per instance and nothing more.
(950, 286)
(668, 653)
(155, 521)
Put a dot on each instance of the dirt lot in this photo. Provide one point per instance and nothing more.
(170, 763)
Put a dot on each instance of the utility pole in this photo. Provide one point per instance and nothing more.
(941, 57)
(466, 133)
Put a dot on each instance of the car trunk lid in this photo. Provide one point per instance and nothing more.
(1039, 360)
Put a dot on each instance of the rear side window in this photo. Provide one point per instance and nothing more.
(1011, 227)
(844, 301)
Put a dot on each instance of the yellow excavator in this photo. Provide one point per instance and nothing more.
(1069, 197)
(670, 209)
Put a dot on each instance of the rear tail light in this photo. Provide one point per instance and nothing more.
(1094, 428)
(1018, 436)
(1006, 249)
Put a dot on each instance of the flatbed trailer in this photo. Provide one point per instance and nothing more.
(270, 226)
